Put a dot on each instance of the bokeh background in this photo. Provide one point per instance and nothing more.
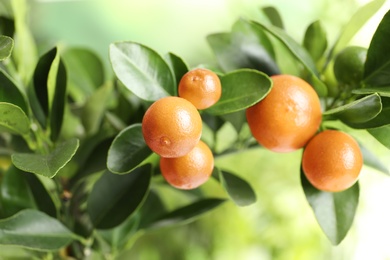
(281, 224)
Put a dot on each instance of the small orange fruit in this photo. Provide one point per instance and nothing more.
(189, 171)
(332, 161)
(201, 87)
(287, 117)
(171, 127)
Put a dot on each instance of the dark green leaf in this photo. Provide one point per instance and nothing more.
(334, 211)
(358, 111)
(372, 161)
(315, 40)
(381, 134)
(115, 197)
(178, 66)
(186, 214)
(240, 90)
(128, 150)
(245, 47)
(274, 16)
(10, 92)
(381, 91)
(13, 119)
(383, 118)
(7, 26)
(34, 230)
(239, 190)
(237, 119)
(142, 70)
(377, 66)
(300, 53)
(6, 47)
(47, 165)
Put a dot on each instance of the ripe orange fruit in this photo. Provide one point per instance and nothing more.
(201, 87)
(332, 161)
(191, 170)
(171, 127)
(287, 117)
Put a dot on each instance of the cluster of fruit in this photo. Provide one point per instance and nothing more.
(172, 127)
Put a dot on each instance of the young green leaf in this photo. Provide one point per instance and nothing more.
(115, 197)
(240, 90)
(128, 150)
(6, 47)
(10, 92)
(377, 66)
(142, 70)
(47, 165)
(315, 40)
(274, 16)
(13, 119)
(186, 214)
(178, 66)
(34, 230)
(358, 111)
(334, 211)
(239, 190)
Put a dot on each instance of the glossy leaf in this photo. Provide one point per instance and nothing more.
(239, 190)
(381, 91)
(301, 55)
(142, 70)
(334, 212)
(381, 134)
(315, 40)
(10, 92)
(240, 90)
(47, 165)
(34, 230)
(383, 118)
(372, 161)
(128, 150)
(274, 16)
(245, 47)
(377, 66)
(358, 111)
(178, 66)
(6, 47)
(115, 197)
(186, 214)
(13, 119)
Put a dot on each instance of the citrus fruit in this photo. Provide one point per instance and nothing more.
(201, 87)
(349, 65)
(189, 171)
(332, 161)
(171, 127)
(287, 117)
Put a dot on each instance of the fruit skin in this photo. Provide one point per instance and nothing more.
(201, 87)
(189, 171)
(171, 127)
(332, 161)
(349, 65)
(287, 117)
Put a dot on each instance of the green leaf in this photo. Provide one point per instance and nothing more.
(186, 214)
(13, 119)
(178, 66)
(334, 211)
(358, 111)
(372, 160)
(315, 40)
(245, 47)
(241, 89)
(383, 118)
(381, 134)
(377, 66)
(10, 92)
(34, 230)
(128, 150)
(142, 70)
(354, 24)
(239, 190)
(6, 47)
(115, 197)
(381, 91)
(274, 16)
(300, 53)
(47, 165)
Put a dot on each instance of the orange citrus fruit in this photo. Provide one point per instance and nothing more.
(332, 161)
(189, 171)
(201, 87)
(287, 117)
(171, 127)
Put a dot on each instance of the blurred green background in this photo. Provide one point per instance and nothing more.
(281, 224)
